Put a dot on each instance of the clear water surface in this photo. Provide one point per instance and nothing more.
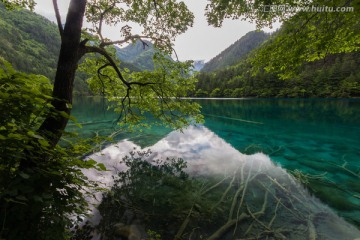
(319, 137)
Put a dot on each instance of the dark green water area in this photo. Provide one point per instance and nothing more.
(317, 141)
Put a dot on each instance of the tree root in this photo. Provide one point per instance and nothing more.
(311, 229)
(183, 225)
(225, 228)
(297, 214)
(214, 186)
(226, 191)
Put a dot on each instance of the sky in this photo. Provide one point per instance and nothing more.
(201, 42)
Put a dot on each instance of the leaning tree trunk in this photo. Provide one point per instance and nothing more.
(53, 126)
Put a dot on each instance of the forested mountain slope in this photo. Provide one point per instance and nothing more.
(335, 76)
(254, 75)
(30, 42)
(237, 51)
(138, 54)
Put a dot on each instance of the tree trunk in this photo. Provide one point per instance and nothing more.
(53, 126)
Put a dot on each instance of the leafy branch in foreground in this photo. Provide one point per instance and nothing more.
(156, 95)
(42, 201)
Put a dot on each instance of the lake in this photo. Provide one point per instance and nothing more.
(318, 140)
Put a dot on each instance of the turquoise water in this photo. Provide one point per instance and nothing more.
(316, 136)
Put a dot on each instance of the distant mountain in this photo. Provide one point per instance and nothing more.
(198, 65)
(138, 56)
(237, 51)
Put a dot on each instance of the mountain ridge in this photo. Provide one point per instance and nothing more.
(139, 54)
(236, 51)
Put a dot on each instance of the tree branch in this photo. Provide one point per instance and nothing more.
(58, 17)
(99, 30)
(101, 51)
(125, 40)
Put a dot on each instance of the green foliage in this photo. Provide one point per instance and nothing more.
(29, 42)
(201, 93)
(302, 51)
(158, 192)
(298, 43)
(216, 93)
(218, 10)
(336, 76)
(24, 101)
(306, 36)
(161, 20)
(158, 187)
(43, 183)
(38, 200)
(159, 94)
(11, 5)
(153, 235)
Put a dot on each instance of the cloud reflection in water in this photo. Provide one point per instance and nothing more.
(208, 154)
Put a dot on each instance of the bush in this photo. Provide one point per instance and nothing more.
(40, 186)
(216, 93)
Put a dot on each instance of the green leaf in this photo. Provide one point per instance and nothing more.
(43, 143)
(101, 166)
(24, 175)
(34, 135)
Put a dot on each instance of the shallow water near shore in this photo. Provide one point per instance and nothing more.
(316, 137)
(260, 188)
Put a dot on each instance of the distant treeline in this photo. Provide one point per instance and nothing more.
(336, 76)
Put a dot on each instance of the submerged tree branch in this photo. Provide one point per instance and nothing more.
(221, 231)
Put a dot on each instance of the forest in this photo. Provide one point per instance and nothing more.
(335, 76)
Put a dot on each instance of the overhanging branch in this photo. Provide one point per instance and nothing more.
(102, 15)
(111, 63)
(101, 51)
(125, 40)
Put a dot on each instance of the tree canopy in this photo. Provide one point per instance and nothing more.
(310, 31)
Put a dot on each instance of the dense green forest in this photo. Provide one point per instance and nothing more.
(337, 75)
(30, 42)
